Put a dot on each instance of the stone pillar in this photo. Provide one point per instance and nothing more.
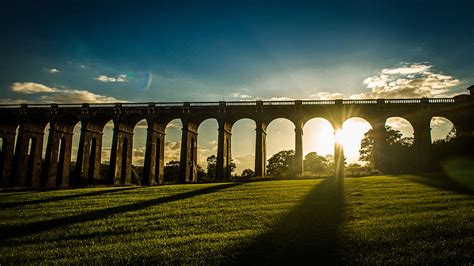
(260, 148)
(121, 156)
(188, 162)
(153, 169)
(338, 153)
(378, 132)
(422, 142)
(7, 133)
(57, 161)
(88, 156)
(299, 149)
(223, 170)
(27, 162)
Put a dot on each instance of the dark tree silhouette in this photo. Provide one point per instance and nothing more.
(397, 151)
(282, 163)
(172, 171)
(315, 163)
(454, 146)
(247, 173)
(212, 164)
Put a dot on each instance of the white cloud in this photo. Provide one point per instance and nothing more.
(48, 94)
(406, 69)
(119, 78)
(53, 70)
(327, 95)
(408, 81)
(398, 122)
(241, 96)
(172, 125)
(12, 101)
(279, 99)
(243, 162)
(77, 96)
(138, 156)
(172, 150)
(439, 121)
(31, 88)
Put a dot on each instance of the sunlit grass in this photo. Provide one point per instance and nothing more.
(371, 219)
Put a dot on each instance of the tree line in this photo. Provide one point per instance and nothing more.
(397, 156)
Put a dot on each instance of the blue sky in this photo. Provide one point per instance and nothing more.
(53, 51)
(220, 48)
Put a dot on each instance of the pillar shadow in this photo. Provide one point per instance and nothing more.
(65, 197)
(306, 235)
(9, 232)
(6, 194)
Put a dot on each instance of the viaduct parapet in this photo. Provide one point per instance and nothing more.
(22, 132)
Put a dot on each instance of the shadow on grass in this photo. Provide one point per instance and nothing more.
(308, 234)
(65, 197)
(438, 180)
(5, 194)
(8, 232)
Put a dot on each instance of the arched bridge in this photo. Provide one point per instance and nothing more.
(22, 128)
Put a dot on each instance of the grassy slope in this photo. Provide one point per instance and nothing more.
(371, 219)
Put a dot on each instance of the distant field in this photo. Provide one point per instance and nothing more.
(379, 219)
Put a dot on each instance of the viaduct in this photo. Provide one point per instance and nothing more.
(22, 128)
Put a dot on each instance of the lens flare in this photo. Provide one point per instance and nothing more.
(339, 136)
(149, 79)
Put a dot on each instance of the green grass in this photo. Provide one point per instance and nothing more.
(380, 219)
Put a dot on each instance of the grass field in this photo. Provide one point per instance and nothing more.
(379, 219)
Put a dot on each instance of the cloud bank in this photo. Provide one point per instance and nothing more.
(47, 94)
(408, 81)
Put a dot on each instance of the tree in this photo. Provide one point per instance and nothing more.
(201, 174)
(397, 149)
(282, 163)
(247, 173)
(315, 163)
(212, 166)
(172, 171)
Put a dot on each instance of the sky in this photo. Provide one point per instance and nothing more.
(141, 51)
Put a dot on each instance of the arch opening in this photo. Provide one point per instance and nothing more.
(207, 149)
(353, 132)
(318, 147)
(280, 147)
(106, 149)
(76, 136)
(45, 140)
(60, 161)
(398, 154)
(243, 146)
(441, 129)
(402, 125)
(139, 149)
(173, 134)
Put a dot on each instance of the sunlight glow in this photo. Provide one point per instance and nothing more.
(318, 137)
(339, 137)
(352, 133)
